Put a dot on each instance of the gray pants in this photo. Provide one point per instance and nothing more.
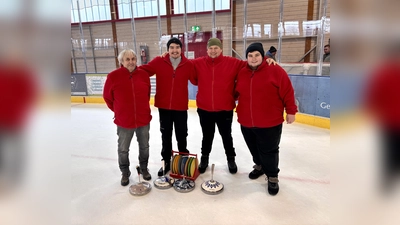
(124, 141)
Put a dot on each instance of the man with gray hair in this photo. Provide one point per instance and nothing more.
(127, 93)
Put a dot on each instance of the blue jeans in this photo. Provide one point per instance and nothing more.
(124, 141)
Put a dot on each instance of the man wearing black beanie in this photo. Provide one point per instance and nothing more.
(261, 124)
(175, 41)
(271, 52)
(172, 75)
(257, 46)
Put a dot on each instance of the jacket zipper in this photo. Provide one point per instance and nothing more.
(134, 97)
(173, 81)
(172, 89)
(212, 86)
(251, 98)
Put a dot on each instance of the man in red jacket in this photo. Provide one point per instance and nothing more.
(127, 94)
(215, 77)
(18, 95)
(173, 71)
(264, 92)
(381, 102)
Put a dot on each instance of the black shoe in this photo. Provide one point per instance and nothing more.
(232, 167)
(203, 164)
(256, 173)
(125, 179)
(231, 164)
(146, 174)
(166, 169)
(184, 152)
(273, 186)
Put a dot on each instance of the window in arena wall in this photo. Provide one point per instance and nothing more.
(95, 10)
(199, 6)
(248, 31)
(257, 30)
(311, 27)
(291, 28)
(141, 8)
(268, 30)
(99, 10)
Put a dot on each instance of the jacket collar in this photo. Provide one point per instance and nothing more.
(183, 58)
(215, 60)
(126, 70)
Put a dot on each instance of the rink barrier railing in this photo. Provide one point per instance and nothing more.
(312, 120)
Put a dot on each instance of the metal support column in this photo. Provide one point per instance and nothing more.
(159, 26)
(94, 57)
(133, 30)
(244, 27)
(214, 26)
(280, 32)
(74, 68)
(321, 38)
(186, 30)
(82, 38)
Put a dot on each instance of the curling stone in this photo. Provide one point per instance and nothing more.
(212, 187)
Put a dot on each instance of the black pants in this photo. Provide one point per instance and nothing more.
(168, 119)
(263, 144)
(223, 119)
(391, 156)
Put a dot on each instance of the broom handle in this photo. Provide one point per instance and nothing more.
(212, 172)
(138, 172)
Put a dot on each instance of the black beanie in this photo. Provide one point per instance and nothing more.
(175, 41)
(257, 46)
(272, 49)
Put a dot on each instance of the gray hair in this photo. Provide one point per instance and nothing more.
(123, 53)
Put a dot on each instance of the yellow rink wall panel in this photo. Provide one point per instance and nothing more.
(94, 99)
(316, 121)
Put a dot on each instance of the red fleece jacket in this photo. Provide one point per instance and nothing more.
(127, 94)
(263, 94)
(171, 85)
(215, 79)
(19, 91)
(382, 96)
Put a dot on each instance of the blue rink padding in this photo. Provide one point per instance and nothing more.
(312, 94)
